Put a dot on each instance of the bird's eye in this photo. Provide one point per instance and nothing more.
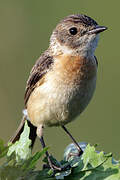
(73, 30)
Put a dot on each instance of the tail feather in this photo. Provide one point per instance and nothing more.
(17, 134)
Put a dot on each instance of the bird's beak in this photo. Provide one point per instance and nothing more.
(97, 29)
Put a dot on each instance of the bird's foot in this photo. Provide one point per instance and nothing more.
(56, 167)
(71, 154)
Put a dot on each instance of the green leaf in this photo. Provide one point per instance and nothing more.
(31, 162)
(92, 159)
(61, 175)
(21, 148)
(94, 166)
(3, 149)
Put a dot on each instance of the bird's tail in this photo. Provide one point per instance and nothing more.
(18, 132)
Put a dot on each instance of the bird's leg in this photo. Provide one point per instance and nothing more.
(80, 152)
(40, 135)
(52, 166)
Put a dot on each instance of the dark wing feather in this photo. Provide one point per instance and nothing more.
(96, 61)
(40, 68)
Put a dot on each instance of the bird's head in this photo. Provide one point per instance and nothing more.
(75, 34)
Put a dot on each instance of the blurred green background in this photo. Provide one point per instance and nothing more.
(25, 29)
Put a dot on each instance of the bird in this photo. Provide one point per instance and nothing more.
(63, 80)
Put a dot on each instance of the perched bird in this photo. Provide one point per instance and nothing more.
(62, 81)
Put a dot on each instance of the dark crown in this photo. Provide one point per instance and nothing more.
(80, 18)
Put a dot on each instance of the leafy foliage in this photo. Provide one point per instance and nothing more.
(20, 163)
(3, 149)
(21, 147)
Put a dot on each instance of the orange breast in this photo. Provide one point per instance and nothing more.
(71, 68)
